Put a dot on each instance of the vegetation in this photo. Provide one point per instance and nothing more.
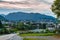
(24, 28)
(30, 26)
(56, 7)
(38, 34)
(33, 39)
(4, 30)
(1, 26)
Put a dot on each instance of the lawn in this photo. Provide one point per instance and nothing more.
(37, 34)
(33, 39)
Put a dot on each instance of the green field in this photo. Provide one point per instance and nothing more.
(37, 34)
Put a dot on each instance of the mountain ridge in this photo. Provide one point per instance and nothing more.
(16, 16)
(2, 18)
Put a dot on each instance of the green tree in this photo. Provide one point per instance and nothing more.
(1, 26)
(20, 26)
(56, 8)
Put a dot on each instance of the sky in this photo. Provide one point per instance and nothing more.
(40, 6)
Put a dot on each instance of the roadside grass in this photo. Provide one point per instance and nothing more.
(33, 39)
(37, 34)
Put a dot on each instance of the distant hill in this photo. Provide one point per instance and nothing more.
(2, 18)
(2, 15)
(21, 16)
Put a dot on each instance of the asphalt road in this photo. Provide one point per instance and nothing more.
(10, 37)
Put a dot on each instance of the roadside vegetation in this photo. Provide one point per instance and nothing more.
(33, 39)
(56, 9)
(37, 34)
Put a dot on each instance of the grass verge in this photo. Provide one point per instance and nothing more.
(33, 39)
(37, 34)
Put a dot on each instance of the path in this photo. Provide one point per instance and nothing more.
(10, 37)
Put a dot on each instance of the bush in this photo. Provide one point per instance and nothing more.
(4, 31)
(48, 31)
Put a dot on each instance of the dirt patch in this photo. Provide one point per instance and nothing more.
(57, 36)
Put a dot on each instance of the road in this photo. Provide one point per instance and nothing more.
(10, 37)
(15, 37)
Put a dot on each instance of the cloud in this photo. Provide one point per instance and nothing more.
(25, 5)
(30, 1)
(12, 0)
(37, 5)
(33, 4)
(50, 1)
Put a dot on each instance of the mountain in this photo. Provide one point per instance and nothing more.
(21, 16)
(2, 15)
(2, 18)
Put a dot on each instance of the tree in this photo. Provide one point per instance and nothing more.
(44, 25)
(56, 8)
(1, 26)
(21, 26)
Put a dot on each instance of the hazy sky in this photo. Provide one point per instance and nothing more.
(41, 6)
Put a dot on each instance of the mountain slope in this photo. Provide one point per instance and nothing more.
(2, 15)
(2, 18)
(29, 16)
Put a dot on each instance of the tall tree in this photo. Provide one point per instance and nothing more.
(56, 8)
(1, 26)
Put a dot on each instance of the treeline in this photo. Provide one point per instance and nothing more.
(30, 26)
(4, 30)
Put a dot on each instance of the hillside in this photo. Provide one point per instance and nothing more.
(21, 16)
(2, 18)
